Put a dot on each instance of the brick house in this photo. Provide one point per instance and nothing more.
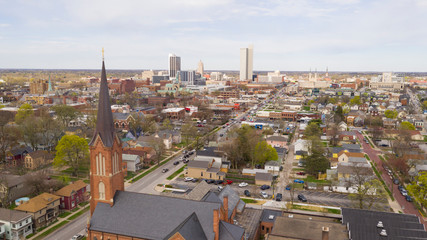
(72, 194)
(36, 159)
(16, 157)
(122, 120)
(277, 141)
(43, 209)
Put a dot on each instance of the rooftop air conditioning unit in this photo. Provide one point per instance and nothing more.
(380, 224)
(383, 233)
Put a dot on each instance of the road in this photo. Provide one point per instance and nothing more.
(406, 206)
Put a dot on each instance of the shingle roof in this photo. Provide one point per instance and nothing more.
(104, 123)
(266, 213)
(363, 224)
(120, 116)
(189, 229)
(12, 215)
(198, 164)
(37, 203)
(228, 231)
(233, 199)
(39, 153)
(199, 191)
(263, 176)
(277, 138)
(150, 216)
(67, 190)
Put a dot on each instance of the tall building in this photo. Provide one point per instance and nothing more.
(174, 65)
(200, 68)
(246, 62)
(186, 77)
(106, 171)
(39, 86)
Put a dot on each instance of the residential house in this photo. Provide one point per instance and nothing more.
(72, 195)
(44, 209)
(212, 153)
(174, 113)
(347, 136)
(133, 162)
(272, 167)
(347, 172)
(277, 141)
(122, 120)
(146, 154)
(263, 178)
(36, 159)
(205, 169)
(14, 186)
(15, 225)
(166, 137)
(268, 217)
(342, 126)
(176, 135)
(16, 156)
(354, 157)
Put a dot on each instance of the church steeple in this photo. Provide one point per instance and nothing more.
(106, 165)
(104, 123)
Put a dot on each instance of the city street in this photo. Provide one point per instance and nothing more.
(406, 206)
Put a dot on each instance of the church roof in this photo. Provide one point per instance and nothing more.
(151, 216)
(104, 123)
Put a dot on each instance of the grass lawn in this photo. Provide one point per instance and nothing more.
(298, 169)
(130, 175)
(79, 213)
(176, 173)
(315, 180)
(64, 214)
(316, 209)
(248, 200)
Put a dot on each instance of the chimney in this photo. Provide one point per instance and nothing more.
(216, 223)
(325, 233)
(225, 203)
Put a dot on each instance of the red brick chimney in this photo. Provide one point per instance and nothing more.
(225, 205)
(216, 223)
(325, 233)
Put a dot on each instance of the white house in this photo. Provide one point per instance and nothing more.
(272, 167)
(133, 162)
(15, 225)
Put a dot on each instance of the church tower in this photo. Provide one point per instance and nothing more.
(106, 171)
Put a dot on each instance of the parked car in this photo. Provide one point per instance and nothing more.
(209, 181)
(228, 182)
(194, 180)
(165, 170)
(302, 198)
(220, 188)
(221, 135)
(396, 181)
(219, 182)
(243, 184)
(77, 237)
(408, 198)
(185, 161)
(188, 179)
(264, 194)
(298, 181)
(264, 187)
(176, 163)
(400, 187)
(301, 173)
(288, 187)
(279, 197)
(247, 193)
(281, 168)
(404, 192)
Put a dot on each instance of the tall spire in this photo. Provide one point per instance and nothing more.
(104, 122)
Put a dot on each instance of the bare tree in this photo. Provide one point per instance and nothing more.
(159, 147)
(4, 192)
(368, 188)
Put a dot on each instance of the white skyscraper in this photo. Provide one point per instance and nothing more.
(174, 65)
(246, 63)
(200, 68)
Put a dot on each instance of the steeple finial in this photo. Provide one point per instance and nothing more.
(102, 54)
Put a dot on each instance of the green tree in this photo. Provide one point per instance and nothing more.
(72, 151)
(355, 101)
(65, 113)
(312, 130)
(390, 114)
(332, 100)
(418, 189)
(263, 152)
(24, 111)
(316, 161)
(406, 126)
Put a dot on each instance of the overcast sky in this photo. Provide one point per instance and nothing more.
(345, 35)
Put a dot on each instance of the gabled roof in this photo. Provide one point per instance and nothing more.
(199, 191)
(228, 231)
(277, 138)
(189, 229)
(40, 153)
(198, 164)
(233, 199)
(67, 190)
(104, 124)
(8, 215)
(121, 116)
(150, 216)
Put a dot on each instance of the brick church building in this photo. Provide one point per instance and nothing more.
(121, 215)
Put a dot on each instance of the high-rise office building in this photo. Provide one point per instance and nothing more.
(200, 68)
(174, 65)
(246, 62)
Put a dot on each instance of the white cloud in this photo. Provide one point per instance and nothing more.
(4, 25)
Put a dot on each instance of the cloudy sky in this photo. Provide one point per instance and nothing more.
(345, 35)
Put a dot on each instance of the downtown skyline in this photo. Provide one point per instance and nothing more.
(346, 35)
